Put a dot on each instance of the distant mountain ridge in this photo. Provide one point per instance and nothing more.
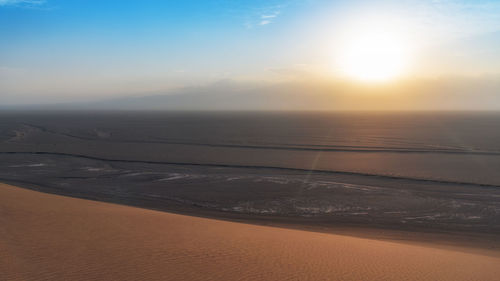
(450, 94)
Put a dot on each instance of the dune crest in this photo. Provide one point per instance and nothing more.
(51, 237)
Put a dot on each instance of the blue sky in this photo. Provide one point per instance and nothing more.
(53, 50)
(181, 34)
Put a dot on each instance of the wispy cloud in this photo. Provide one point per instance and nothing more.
(264, 22)
(454, 18)
(264, 16)
(22, 3)
(268, 18)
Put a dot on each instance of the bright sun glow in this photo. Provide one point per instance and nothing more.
(373, 53)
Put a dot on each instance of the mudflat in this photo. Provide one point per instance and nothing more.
(52, 237)
(417, 172)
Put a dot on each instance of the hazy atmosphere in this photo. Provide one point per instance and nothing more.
(249, 140)
(258, 55)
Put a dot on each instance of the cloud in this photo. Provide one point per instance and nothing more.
(25, 3)
(268, 17)
(264, 16)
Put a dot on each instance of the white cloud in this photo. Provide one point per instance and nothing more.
(21, 2)
(268, 17)
(264, 16)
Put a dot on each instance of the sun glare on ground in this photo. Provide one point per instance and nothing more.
(373, 53)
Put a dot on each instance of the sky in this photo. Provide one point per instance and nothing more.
(55, 51)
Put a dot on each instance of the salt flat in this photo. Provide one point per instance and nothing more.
(390, 171)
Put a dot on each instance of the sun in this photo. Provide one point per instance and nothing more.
(373, 53)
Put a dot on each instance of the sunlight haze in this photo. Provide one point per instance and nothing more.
(85, 51)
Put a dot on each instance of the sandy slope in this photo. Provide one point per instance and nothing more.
(49, 237)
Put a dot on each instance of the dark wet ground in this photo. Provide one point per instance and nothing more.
(241, 167)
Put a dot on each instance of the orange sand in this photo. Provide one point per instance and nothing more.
(50, 237)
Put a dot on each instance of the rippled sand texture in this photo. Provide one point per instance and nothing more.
(50, 237)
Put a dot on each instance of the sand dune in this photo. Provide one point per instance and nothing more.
(50, 237)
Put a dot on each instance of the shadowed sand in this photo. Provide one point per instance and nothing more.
(50, 237)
